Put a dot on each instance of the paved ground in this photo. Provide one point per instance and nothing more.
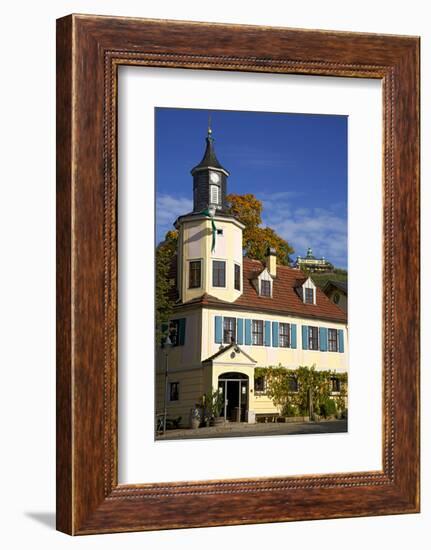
(249, 430)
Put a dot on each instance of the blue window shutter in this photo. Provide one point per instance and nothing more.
(323, 337)
(275, 334)
(267, 333)
(218, 329)
(240, 331)
(181, 331)
(247, 337)
(293, 336)
(304, 337)
(340, 341)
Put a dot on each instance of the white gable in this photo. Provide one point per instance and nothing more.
(309, 284)
(233, 355)
(265, 275)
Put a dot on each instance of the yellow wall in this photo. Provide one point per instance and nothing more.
(195, 241)
(191, 389)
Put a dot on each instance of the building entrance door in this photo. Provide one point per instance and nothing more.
(234, 387)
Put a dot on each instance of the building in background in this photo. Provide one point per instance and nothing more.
(313, 264)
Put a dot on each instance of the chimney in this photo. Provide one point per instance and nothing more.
(271, 261)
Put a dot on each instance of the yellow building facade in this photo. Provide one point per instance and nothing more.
(202, 364)
(232, 314)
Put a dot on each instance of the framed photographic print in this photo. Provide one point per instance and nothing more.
(238, 274)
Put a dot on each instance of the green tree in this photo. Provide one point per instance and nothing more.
(164, 253)
(294, 399)
(256, 239)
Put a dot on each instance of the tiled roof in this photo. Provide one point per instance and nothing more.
(285, 299)
(341, 285)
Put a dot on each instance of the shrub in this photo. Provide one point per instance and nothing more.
(290, 410)
(328, 407)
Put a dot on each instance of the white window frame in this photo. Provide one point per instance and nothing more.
(313, 294)
(309, 338)
(240, 276)
(262, 324)
(212, 274)
(229, 319)
(337, 343)
(282, 335)
(270, 288)
(188, 274)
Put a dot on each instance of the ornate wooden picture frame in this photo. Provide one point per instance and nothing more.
(89, 51)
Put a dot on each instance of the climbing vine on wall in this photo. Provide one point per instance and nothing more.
(290, 390)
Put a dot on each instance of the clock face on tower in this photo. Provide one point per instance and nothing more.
(214, 177)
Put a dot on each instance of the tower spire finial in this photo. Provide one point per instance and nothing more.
(209, 125)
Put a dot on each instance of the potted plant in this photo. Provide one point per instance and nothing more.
(195, 417)
(214, 403)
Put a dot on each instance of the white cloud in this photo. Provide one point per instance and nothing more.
(324, 230)
(168, 208)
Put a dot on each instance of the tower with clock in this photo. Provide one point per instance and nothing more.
(209, 238)
(209, 180)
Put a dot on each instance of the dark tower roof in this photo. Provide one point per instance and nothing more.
(209, 159)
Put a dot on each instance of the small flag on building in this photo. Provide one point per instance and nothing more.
(206, 212)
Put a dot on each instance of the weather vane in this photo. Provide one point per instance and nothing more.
(209, 125)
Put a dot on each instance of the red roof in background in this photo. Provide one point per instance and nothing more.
(285, 299)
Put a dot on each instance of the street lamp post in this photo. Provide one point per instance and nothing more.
(211, 210)
(167, 346)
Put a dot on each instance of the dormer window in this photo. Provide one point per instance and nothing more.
(307, 292)
(263, 284)
(265, 288)
(309, 295)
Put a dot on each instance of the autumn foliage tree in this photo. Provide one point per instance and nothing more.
(256, 239)
(164, 252)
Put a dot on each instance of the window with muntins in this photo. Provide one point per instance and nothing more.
(260, 384)
(284, 335)
(265, 288)
(195, 274)
(177, 332)
(237, 277)
(335, 384)
(229, 330)
(309, 295)
(257, 333)
(174, 391)
(332, 339)
(174, 332)
(219, 273)
(293, 383)
(313, 338)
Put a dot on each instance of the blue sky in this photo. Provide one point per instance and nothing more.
(296, 164)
